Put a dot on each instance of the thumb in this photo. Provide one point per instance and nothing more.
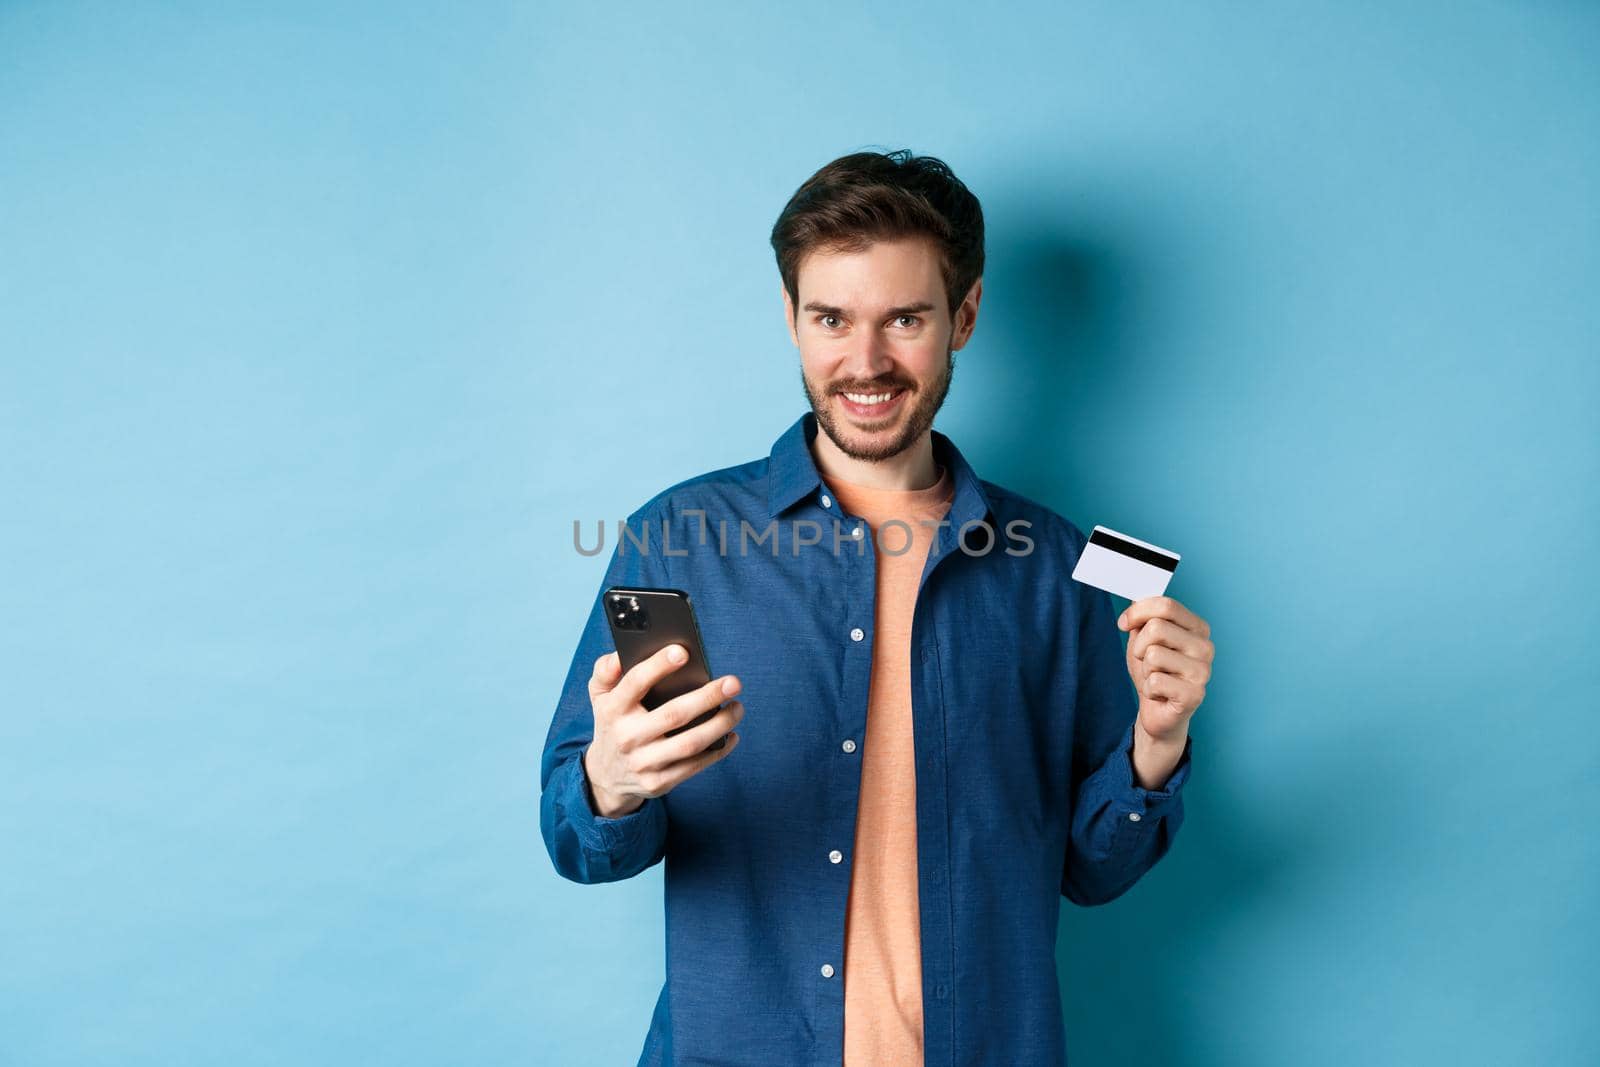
(607, 673)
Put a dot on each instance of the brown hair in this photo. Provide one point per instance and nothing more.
(870, 196)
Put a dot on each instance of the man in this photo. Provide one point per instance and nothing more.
(944, 739)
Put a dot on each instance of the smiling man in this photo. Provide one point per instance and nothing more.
(946, 735)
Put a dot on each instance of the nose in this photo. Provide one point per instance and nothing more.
(870, 358)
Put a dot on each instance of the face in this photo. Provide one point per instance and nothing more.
(877, 342)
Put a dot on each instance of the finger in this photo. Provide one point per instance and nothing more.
(646, 673)
(687, 707)
(607, 672)
(1172, 694)
(1162, 607)
(1151, 607)
(1160, 658)
(674, 775)
(666, 751)
(1168, 633)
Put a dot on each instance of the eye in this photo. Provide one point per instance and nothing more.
(824, 320)
(913, 318)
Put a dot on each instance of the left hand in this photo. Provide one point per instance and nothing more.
(1169, 659)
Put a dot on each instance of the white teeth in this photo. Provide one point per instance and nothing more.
(868, 398)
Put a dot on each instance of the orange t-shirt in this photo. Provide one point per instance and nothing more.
(883, 932)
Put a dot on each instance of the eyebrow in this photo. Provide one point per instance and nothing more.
(904, 309)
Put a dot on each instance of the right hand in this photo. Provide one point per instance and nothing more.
(629, 761)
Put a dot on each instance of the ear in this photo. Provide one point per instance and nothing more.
(788, 314)
(967, 316)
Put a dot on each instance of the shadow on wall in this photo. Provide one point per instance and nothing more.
(1129, 967)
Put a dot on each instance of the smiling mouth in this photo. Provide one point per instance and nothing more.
(873, 404)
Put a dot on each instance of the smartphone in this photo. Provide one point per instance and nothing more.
(643, 622)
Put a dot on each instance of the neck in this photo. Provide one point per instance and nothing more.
(912, 468)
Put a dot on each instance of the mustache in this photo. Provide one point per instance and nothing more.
(881, 386)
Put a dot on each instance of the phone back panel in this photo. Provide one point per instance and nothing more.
(643, 622)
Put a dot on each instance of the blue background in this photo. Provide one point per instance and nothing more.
(319, 329)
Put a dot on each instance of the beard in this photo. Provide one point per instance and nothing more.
(918, 418)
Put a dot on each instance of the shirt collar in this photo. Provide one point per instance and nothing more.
(792, 473)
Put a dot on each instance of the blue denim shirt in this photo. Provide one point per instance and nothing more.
(1022, 713)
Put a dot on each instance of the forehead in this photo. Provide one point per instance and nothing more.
(884, 273)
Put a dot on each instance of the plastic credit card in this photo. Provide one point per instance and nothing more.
(1125, 565)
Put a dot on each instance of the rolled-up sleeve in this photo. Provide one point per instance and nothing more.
(584, 846)
(1119, 829)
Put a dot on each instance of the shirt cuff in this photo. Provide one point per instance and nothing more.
(1136, 804)
(597, 832)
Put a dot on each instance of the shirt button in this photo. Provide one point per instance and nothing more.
(849, 745)
(856, 533)
(857, 634)
(827, 970)
(825, 501)
(835, 856)
(1133, 816)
